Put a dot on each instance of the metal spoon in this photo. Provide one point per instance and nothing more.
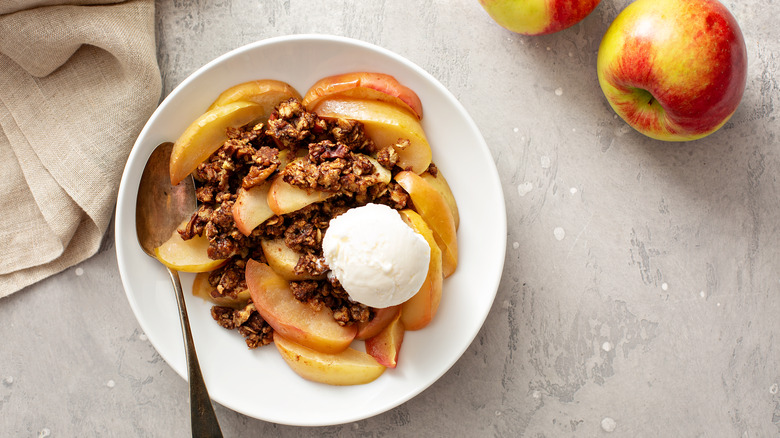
(160, 208)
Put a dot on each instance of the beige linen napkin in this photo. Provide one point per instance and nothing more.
(77, 82)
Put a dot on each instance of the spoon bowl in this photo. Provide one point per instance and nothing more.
(160, 208)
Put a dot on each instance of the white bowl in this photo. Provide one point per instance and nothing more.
(258, 382)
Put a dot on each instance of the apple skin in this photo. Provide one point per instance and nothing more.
(674, 70)
(385, 346)
(538, 17)
(365, 85)
(382, 318)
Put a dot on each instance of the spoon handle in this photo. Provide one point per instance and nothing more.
(204, 420)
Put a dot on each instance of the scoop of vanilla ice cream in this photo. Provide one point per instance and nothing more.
(378, 259)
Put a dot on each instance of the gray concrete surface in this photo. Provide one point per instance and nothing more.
(640, 294)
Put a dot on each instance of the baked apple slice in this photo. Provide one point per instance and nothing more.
(283, 259)
(365, 85)
(386, 345)
(285, 198)
(251, 208)
(418, 311)
(207, 134)
(381, 319)
(201, 288)
(265, 92)
(440, 184)
(433, 208)
(385, 124)
(348, 367)
(187, 255)
(297, 321)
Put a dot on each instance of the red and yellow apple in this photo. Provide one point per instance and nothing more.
(674, 70)
(538, 17)
(365, 85)
(293, 319)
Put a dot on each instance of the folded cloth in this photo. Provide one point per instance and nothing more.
(78, 79)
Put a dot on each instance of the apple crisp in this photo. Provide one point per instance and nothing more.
(323, 155)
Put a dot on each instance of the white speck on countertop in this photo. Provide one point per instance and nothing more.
(9, 380)
(559, 233)
(773, 389)
(573, 190)
(143, 337)
(44, 432)
(516, 130)
(559, 91)
(608, 424)
(545, 162)
(664, 286)
(703, 294)
(718, 304)
(515, 245)
(111, 384)
(498, 413)
(79, 272)
(537, 394)
(549, 48)
(524, 188)
(606, 346)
